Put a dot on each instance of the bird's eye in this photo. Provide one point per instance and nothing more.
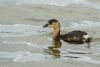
(50, 22)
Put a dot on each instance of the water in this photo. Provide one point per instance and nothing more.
(83, 3)
(17, 31)
(23, 40)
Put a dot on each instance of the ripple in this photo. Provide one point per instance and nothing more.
(81, 58)
(22, 43)
(18, 30)
(23, 56)
(82, 3)
(83, 25)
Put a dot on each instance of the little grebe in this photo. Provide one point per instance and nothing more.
(74, 37)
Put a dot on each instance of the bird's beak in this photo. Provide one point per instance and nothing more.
(46, 25)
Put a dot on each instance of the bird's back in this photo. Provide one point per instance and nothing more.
(74, 37)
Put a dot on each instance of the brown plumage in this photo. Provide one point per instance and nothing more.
(74, 37)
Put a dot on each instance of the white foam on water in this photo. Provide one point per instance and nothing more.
(83, 3)
(24, 56)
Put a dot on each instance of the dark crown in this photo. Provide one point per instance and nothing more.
(52, 21)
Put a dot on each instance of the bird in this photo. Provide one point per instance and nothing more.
(72, 37)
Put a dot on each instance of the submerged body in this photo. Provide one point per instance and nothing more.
(74, 37)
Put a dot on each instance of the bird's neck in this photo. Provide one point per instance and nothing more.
(56, 33)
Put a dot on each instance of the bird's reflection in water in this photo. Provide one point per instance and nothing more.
(54, 49)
